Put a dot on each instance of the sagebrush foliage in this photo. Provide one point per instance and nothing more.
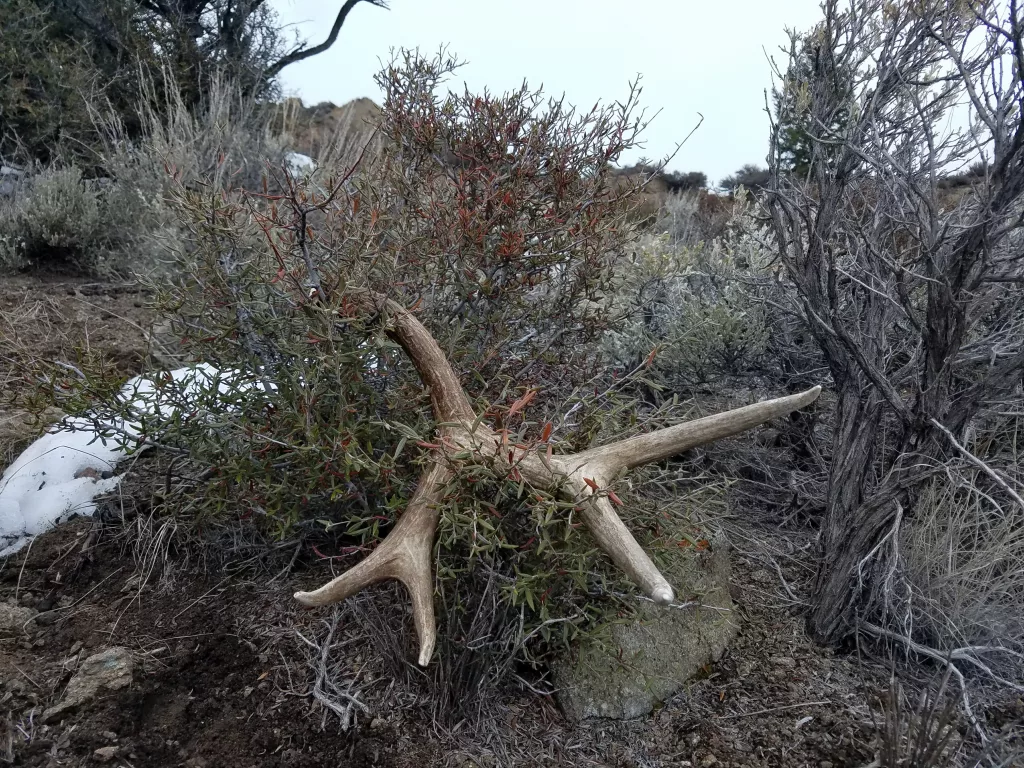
(120, 221)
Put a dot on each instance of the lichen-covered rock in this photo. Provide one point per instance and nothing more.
(108, 670)
(626, 669)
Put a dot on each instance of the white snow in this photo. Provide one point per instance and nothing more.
(299, 164)
(59, 475)
(44, 487)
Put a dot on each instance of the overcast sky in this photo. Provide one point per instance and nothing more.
(695, 57)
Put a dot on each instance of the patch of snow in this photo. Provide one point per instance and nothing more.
(299, 164)
(56, 478)
(59, 475)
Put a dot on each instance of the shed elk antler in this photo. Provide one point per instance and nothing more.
(406, 553)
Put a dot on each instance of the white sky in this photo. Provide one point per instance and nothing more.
(695, 57)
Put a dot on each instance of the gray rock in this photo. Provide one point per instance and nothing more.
(108, 670)
(105, 754)
(626, 669)
(14, 617)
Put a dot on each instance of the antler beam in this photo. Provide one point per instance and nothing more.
(406, 552)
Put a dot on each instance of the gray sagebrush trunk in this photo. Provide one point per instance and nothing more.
(852, 524)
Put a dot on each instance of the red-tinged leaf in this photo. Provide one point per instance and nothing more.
(703, 544)
(423, 444)
(615, 499)
(278, 277)
(522, 402)
(546, 433)
(684, 543)
(355, 206)
(650, 358)
(590, 482)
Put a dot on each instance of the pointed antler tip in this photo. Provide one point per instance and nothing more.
(663, 595)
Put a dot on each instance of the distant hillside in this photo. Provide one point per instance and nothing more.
(319, 129)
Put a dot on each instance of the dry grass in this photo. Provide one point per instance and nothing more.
(921, 736)
(964, 560)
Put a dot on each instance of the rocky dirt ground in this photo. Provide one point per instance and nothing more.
(120, 645)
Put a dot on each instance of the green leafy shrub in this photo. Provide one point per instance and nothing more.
(59, 220)
(495, 219)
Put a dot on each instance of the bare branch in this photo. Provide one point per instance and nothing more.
(304, 53)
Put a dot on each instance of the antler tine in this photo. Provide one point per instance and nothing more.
(405, 554)
(612, 535)
(663, 443)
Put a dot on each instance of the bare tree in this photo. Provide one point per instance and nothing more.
(912, 292)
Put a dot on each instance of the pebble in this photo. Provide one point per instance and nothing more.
(105, 754)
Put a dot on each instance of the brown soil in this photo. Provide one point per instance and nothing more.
(223, 678)
(66, 320)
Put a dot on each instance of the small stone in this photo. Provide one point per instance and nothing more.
(825, 764)
(109, 735)
(105, 754)
(377, 723)
(708, 760)
(13, 617)
(786, 662)
(108, 670)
